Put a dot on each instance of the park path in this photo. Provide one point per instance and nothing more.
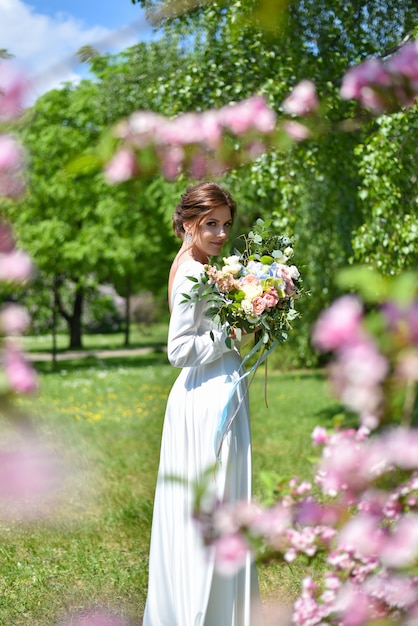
(81, 354)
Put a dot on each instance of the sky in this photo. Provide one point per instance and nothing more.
(44, 35)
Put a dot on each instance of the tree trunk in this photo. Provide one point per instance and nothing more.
(55, 307)
(127, 312)
(74, 321)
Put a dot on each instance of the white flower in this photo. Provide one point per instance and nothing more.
(279, 256)
(232, 265)
(294, 272)
(252, 291)
(247, 307)
(288, 252)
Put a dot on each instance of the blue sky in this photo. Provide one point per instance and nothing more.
(44, 35)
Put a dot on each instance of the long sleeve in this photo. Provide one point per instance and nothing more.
(190, 341)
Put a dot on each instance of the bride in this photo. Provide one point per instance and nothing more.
(184, 588)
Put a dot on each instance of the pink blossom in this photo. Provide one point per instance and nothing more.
(30, 475)
(121, 167)
(171, 161)
(249, 279)
(10, 153)
(394, 590)
(371, 72)
(363, 83)
(142, 128)
(296, 130)
(19, 374)
(339, 325)
(401, 548)
(259, 305)
(231, 553)
(306, 610)
(13, 88)
(319, 435)
(303, 99)
(272, 523)
(246, 115)
(198, 166)
(362, 534)
(14, 319)
(308, 512)
(356, 376)
(270, 298)
(354, 606)
(11, 167)
(405, 63)
(15, 267)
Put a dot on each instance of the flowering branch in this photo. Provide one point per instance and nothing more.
(211, 142)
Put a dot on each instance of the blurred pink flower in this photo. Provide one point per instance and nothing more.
(339, 325)
(121, 167)
(249, 114)
(319, 435)
(14, 319)
(10, 153)
(401, 547)
(302, 100)
(141, 128)
(171, 161)
(15, 267)
(296, 130)
(20, 375)
(362, 534)
(353, 605)
(405, 63)
(370, 72)
(272, 523)
(31, 476)
(231, 553)
(13, 88)
(356, 376)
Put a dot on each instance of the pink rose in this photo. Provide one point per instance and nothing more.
(271, 298)
(259, 305)
(250, 279)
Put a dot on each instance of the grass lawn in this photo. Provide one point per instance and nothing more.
(105, 419)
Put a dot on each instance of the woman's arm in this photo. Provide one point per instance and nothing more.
(187, 348)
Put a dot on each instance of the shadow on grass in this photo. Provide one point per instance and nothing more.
(151, 359)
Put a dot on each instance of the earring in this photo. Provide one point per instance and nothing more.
(188, 239)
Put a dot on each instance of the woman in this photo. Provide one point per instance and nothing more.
(184, 588)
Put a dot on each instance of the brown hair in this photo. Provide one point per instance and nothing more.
(199, 200)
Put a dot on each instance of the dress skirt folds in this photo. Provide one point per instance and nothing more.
(184, 587)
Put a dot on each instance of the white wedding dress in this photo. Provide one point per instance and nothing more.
(184, 587)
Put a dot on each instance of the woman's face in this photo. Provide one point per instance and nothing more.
(212, 233)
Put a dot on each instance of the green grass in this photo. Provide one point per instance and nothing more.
(105, 419)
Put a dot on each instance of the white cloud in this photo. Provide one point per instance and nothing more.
(44, 46)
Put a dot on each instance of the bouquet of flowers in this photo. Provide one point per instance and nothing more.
(254, 290)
